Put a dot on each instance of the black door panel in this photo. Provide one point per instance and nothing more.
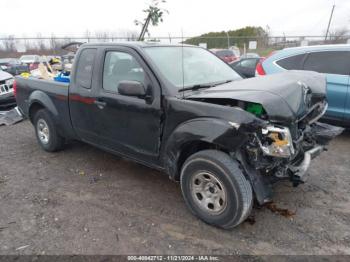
(127, 124)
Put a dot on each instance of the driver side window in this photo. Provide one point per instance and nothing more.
(120, 66)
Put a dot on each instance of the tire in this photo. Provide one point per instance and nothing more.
(215, 189)
(46, 131)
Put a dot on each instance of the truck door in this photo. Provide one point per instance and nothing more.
(127, 124)
(81, 97)
(335, 64)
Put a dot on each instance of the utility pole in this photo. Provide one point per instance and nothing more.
(329, 23)
(228, 40)
(144, 28)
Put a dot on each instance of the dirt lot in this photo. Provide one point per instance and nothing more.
(85, 201)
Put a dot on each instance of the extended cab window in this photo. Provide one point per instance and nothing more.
(329, 62)
(84, 67)
(120, 66)
(292, 62)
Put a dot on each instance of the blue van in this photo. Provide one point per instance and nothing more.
(333, 60)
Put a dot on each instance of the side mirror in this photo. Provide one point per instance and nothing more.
(131, 88)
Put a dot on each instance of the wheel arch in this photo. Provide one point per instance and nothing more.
(39, 100)
(34, 107)
(191, 148)
(197, 135)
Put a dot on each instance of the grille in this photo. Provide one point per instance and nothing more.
(5, 89)
(314, 113)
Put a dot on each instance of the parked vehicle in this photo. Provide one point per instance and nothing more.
(13, 66)
(67, 61)
(246, 66)
(227, 55)
(225, 139)
(31, 60)
(250, 55)
(236, 51)
(332, 60)
(7, 98)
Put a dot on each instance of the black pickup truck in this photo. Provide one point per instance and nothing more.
(182, 110)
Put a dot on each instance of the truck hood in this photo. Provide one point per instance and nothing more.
(287, 96)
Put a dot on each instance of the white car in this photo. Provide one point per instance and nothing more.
(31, 60)
(7, 97)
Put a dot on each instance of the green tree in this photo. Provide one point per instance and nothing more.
(236, 37)
(154, 16)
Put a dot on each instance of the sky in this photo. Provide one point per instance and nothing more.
(187, 17)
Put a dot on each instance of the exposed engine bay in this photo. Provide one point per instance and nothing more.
(274, 152)
(285, 152)
(291, 136)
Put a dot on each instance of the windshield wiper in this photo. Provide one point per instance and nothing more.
(223, 82)
(200, 86)
(195, 87)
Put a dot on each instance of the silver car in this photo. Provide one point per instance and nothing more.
(7, 97)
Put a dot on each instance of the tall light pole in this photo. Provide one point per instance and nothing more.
(329, 23)
(144, 27)
(228, 40)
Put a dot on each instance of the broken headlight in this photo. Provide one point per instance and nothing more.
(277, 142)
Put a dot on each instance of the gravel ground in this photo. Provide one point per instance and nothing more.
(85, 201)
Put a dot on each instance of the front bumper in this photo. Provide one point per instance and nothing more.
(321, 134)
(7, 97)
(300, 171)
(7, 101)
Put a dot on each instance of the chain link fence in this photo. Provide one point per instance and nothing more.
(16, 46)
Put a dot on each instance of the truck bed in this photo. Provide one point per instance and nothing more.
(55, 94)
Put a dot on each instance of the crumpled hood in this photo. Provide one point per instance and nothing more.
(285, 96)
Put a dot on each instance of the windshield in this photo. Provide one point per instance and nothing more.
(225, 53)
(198, 66)
(28, 57)
(4, 61)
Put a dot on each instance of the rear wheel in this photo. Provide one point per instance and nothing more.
(46, 131)
(215, 189)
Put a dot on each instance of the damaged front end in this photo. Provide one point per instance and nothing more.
(290, 104)
(275, 154)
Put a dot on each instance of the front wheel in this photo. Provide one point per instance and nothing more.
(215, 189)
(46, 131)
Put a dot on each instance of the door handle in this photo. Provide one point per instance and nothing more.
(100, 104)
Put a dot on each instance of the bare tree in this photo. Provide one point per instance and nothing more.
(9, 43)
(54, 44)
(40, 42)
(338, 35)
(87, 35)
(102, 36)
(128, 35)
(131, 35)
(27, 44)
